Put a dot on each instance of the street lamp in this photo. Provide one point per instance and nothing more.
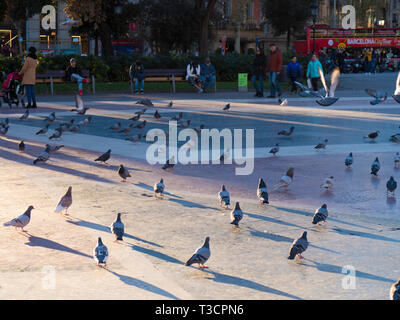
(314, 13)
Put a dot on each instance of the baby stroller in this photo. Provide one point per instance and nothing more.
(12, 90)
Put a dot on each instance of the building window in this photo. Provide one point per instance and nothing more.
(225, 8)
(249, 11)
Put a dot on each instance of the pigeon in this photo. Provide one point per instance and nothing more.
(395, 291)
(283, 102)
(5, 123)
(274, 150)
(225, 155)
(298, 247)
(21, 221)
(159, 188)
(21, 146)
(100, 253)
(170, 104)
(116, 127)
(184, 124)
(134, 138)
(123, 173)
(178, 117)
(372, 135)
(157, 115)
(57, 134)
(198, 130)
(349, 160)
(330, 98)
(224, 197)
(43, 157)
(74, 129)
(395, 138)
(24, 116)
(86, 121)
(126, 130)
(79, 106)
(396, 95)
(391, 186)
(396, 160)
(262, 193)
(236, 215)
(169, 164)
(201, 255)
(51, 117)
(378, 95)
(285, 180)
(117, 228)
(54, 147)
(140, 125)
(65, 202)
(104, 157)
(145, 102)
(135, 118)
(375, 167)
(321, 214)
(227, 107)
(328, 183)
(43, 130)
(306, 92)
(321, 145)
(4, 130)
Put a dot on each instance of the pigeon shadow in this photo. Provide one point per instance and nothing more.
(391, 202)
(324, 267)
(363, 234)
(103, 228)
(375, 181)
(143, 285)
(227, 279)
(49, 244)
(150, 188)
(191, 204)
(273, 220)
(156, 254)
(270, 236)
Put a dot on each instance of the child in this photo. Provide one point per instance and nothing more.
(74, 73)
(294, 73)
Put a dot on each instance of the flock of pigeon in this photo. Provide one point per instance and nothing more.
(202, 254)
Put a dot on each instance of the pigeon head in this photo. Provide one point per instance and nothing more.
(119, 217)
(331, 177)
(291, 128)
(237, 206)
(99, 242)
(351, 154)
(290, 172)
(223, 188)
(207, 242)
(323, 206)
(109, 150)
(326, 140)
(162, 180)
(69, 190)
(376, 159)
(304, 236)
(47, 125)
(261, 183)
(28, 211)
(202, 126)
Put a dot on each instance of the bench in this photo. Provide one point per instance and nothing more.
(170, 75)
(51, 76)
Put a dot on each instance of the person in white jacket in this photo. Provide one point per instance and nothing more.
(193, 74)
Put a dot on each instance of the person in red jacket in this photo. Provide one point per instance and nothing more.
(274, 67)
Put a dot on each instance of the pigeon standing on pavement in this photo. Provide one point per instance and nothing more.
(21, 221)
(236, 215)
(225, 155)
(21, 146)
(320, 215)
(104, 157)
(157, 115)
(159, 189)
(328, 183)
(274, 150)
(201, 255)
(262, 193)
(227, 107)
(57, 134)
(51, 117)
(286, 133)
(349, 160)
(123, 173)
(178, 117)
(372, 135)
(283, 102)
(4, 130)
(65, 202)
(298, 246)
(285, 180)
(395, 138)
(54, 147)
(224, 197)
(140, 125)
(135, 118)
(117, 228)
(378, 96)
(395, 291)
(86, 121)
(396, 159)
(100, 253)
(43, 130)
(116, 127)
(169, 165)
(391, 186)
(135, 138)
(321, 145)
(145, 102)
(43, 157)
(375, 167)
(170, 104)
(25, 115)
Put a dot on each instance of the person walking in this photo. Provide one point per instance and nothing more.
(312, 71)
(136, 72)
(259, 66)
(274, 67)
(74, 73)
(28, 72)
(207, 74)
(294, 73)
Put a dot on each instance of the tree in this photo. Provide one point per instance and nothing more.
(203, 10)
(285, 16)
(104, 17)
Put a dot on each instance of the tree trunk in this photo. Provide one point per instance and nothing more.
(203, 45)
(204, 19)
(288, 38)
(237, 38)
(105, 37)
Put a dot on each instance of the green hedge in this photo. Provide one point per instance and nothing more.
(117, 68)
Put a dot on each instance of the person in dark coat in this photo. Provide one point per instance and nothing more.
(294, 73)
(136, 72)
(259, 65)
(74, 73)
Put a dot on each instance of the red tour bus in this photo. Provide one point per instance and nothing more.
(333, 38)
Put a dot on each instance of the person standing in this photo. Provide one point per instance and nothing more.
(259, 65)
(312, 71)
(274, 67)
(207, 74)
(74, 73)
(294, 73)
(136, 72)
(28, 72)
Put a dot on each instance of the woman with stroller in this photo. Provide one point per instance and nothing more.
(28, 72)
